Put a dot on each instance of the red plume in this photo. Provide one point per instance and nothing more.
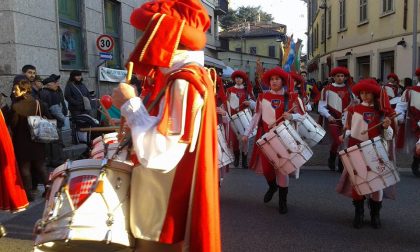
(384, 103)
(249, 89)
(221, 90)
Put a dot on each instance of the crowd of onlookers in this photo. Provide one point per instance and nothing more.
(33, 95)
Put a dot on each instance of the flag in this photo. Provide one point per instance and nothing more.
(298, 50)
(286, 50)
(290, 57)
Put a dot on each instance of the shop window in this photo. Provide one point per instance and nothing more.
(112, 28)
(363, 67)
(387, 64)
(71, 37)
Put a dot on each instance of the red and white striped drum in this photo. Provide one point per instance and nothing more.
(240, 122)
(369, 167)
(310, 131)
(284, 148)
(108, 144)
(86, 208)
(225, 155)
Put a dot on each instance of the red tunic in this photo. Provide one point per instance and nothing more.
(337, 98)
(360, 118)
(241, 94)
(12, 194)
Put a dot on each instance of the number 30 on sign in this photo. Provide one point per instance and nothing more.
(105, 43)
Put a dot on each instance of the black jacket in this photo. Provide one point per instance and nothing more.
(73, 96)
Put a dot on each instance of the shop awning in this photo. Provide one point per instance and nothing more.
(210, 61)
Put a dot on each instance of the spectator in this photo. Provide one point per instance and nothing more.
(29, 154)
(53, 97)
(74, 92)
(28, 72)
(36, 87)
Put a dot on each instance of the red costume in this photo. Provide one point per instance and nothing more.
(12, 194)
(335, 99)
(174, 191)
(361, 117)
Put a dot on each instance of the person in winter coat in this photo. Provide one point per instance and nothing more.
(74, 92)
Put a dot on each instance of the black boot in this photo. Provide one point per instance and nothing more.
(244, 161)
(359, 211)
(283, 199)
(375, 208)
(2, 231)
(340, 166)
(415, 166)
(236, 162)
(331, 161)
(272, 189)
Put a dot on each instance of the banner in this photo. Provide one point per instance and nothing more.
(111, 75)
(298, 50)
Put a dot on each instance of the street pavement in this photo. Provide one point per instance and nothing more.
(319, 219)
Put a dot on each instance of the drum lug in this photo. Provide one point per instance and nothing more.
(119, 182)
(110, 220)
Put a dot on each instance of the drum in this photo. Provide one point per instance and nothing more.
(240, 122)
(310, 131)
(284, 148)
(87, 208)
(106, 138)
(108, 144)
(225, 155)
(369, 167)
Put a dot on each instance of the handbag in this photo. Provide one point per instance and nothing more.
(86, 101)
(42, 130)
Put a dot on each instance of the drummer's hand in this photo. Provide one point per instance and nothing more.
(331, 119)
(246, 103)
(386, 123)
(220, 111)
(287, 116)
(244, 139)
(123, 93)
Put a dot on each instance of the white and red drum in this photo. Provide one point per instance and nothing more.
(241, 121)
(284, 148)
(310, 131)
(225, 155)
(369, 167)
(108, 143)
(87, 208)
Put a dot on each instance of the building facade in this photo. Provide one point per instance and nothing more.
(58, 36)
(242, 46)
(370, 37)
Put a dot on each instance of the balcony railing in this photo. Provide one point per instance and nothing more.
(222, 7)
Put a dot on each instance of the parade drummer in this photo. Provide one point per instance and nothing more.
(368, 113)
(392, 88)
(240, 97)
(174, 190)
(408, 109)
(335, 99)
(271, 106)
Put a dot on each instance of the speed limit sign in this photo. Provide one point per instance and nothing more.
(105, 43)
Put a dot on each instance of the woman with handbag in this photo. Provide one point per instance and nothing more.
(29, 154)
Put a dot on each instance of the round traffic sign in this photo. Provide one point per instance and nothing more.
(105, 43)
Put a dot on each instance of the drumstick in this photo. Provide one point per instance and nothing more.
(378, 124)
(127, 80)
(281, 117)
(100, 129)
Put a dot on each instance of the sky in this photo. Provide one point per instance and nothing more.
(292, 13)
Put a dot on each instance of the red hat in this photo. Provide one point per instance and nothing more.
(367, 85)
(418, 71)
(393, 76)
(167, 23)
(339, 69)
(275, 71)
(239, 73)
(297, 77)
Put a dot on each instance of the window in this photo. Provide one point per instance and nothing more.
(387, 64)
(387, 6)
(112, 28)
(238, 49)
(272, 51)
(363, 67)
(72, 49)
(342, 14)
(329, 22)
(343, 63)
(253, 50)
(363, 11)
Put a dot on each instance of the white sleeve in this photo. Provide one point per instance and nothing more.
(252, 105)
(401, 108)
(154, 150)
(297, 117)
(388, 133)
(322, 106)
